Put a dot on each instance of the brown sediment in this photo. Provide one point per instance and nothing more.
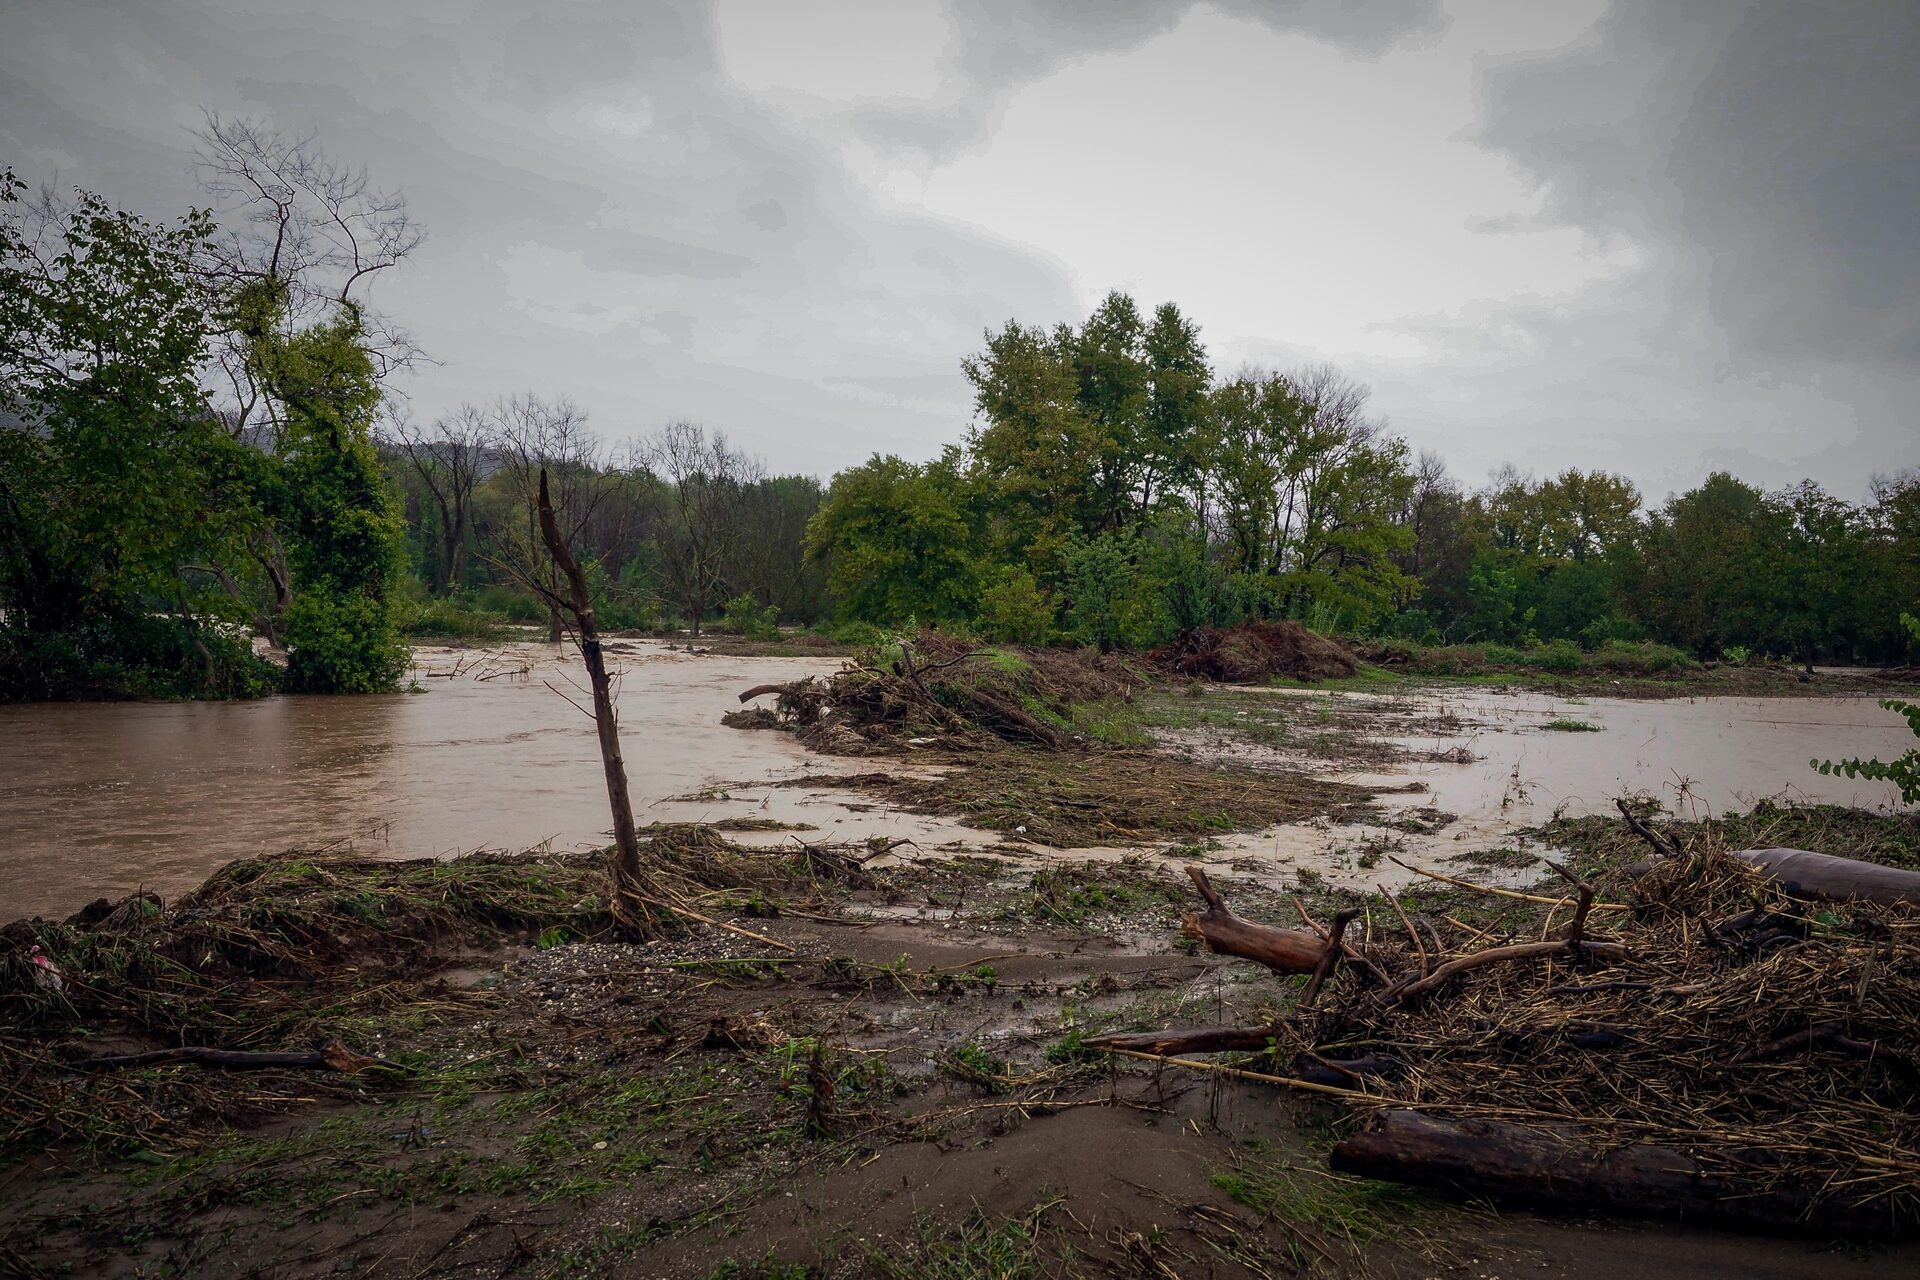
(1255, 651)
(895, 1091)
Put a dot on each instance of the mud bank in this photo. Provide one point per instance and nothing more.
(899, 1086)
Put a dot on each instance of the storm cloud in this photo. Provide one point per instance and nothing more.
(1654, 238)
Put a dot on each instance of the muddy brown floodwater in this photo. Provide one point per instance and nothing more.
(101, 799)
(1520, 766)
(104, 798)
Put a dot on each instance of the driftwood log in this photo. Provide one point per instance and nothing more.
(1801, 872)
(335, 1056)
(1806, 874)
(1543, 1167)
(1282, 950)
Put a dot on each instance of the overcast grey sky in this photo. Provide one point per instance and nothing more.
(1656, 238)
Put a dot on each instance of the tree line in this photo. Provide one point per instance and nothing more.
(678, 528)
(1114, 490)
(200, 443)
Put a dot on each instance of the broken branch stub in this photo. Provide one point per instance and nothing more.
(1282, 950)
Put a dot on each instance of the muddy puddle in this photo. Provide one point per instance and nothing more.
(102, 799)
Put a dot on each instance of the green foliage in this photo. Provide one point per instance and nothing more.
(1904, 771)
(1350, 1212)
(898, 540)
(132, 655)
(1013, 609)
(745, 616)
(343, 538)
(1562, 657)
(117, 483)
(1106, 601)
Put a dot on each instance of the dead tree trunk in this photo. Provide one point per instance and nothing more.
(1543, 1167)
(628, 876)
(1282, 950)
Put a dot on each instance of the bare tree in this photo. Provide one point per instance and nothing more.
(312, 234)
(314, 231)
(536, 436)
(706, 481)
(448, 460)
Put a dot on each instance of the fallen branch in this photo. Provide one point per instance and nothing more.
(335, 1056)
(1282, 950)
(1188, 1040)
(1330, 957)
(1551, 1168)
(1239, 1073)
(760, 689)
(1501, 955)
(1664, 845)
(1503, 893)
(1820, 1033)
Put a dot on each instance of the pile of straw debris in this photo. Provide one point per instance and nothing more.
(1254, 651)
(938, 689)
(1710, 1046)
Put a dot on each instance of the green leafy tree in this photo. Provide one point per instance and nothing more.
(899, 541)
(1108, 603)
(1810, 572)
(1013, 608)
(332, 505)
(118, 506)
(1698, 580)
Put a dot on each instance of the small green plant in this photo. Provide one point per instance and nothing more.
(1566, 724)
(1736, 655)
(1903, 772)
(768, 1267)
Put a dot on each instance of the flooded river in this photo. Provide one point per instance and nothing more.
(101, 799)
(104, 798)
(1516, 763)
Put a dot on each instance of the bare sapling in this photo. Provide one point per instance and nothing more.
(630, 882)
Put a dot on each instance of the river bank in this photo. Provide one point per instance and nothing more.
(894, 1083)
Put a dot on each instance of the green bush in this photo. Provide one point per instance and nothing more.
(421, 615)
(1903, 772)
(853, 632)
(1562, 657)
(1013, 610)
(512, 603)
(342, 643)
(744, 616)
(133, 655)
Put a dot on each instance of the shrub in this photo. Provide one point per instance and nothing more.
(1562, 657)
(511, 603)
(419, 614)
(1013, 610)
(133, 655)
(744, 616)
(1903, 772)
(342, 643)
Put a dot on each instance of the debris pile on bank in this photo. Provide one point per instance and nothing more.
(937, 689)
(1254, 651)
(273, 959)
(1715, 1049)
